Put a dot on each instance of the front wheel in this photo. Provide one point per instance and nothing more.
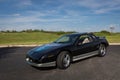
(102, 50)
(63, 60)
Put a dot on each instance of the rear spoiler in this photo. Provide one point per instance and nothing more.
(101, 37)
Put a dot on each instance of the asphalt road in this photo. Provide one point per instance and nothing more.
(14, 67)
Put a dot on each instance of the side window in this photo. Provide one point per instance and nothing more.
(64, 39)
(83, 39)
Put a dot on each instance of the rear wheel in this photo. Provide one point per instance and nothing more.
(102, 50)
(63, 60)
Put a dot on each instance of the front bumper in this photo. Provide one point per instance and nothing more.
(49, 64)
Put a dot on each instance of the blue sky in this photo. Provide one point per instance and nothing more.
(60, 15)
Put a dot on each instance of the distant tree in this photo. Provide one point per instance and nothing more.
(7, 31)
(23, 31)
(42, 30)
(2, 31)
(13, 31)
(29, 30)
(105, 32)
(36, 30)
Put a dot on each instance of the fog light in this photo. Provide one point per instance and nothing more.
(27, 59)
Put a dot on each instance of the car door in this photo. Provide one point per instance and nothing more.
(95, 43)
(84, 45)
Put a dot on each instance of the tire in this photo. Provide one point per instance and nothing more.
(102, 50)
(63, 60)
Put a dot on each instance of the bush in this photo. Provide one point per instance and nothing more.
(105, 32)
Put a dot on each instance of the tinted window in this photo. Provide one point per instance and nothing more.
(84, 39)
(66, 39)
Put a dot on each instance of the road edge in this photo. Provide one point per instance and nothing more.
(39, 45)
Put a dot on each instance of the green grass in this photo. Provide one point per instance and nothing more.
(42, 37)
(26, 38)
(115, 38)
(112, 38)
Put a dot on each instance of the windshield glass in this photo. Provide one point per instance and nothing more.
(66, 39)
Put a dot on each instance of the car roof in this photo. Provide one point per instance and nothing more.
(78, 34)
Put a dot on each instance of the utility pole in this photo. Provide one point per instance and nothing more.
(112, 28)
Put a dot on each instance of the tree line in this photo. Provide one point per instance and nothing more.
(37, 30)
(57, 32)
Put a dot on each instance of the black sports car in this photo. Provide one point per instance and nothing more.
(68, 48)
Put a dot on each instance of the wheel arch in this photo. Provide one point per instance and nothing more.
(69, 52)
(104, 44)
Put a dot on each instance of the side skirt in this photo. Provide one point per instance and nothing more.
(86, 55)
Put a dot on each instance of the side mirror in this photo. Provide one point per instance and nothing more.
(79, 43)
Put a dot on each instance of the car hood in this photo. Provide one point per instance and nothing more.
(38, 52)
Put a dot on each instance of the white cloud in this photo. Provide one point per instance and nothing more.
(105, 10)
(36, 16)
(17, 26)
(26, 2)
(16, 14)
(62, 17)
(36, 20)
(94, 6)
(99, 6)
(23, 3)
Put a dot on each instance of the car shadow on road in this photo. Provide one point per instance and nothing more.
(45, 68)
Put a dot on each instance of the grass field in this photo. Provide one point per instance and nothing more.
(112, 38)
(26, 38)
(42, 37)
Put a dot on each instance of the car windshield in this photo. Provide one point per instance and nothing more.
(66, 39)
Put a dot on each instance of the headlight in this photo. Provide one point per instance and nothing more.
(46, 57)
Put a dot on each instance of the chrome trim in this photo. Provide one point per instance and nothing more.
(41, 64)
(86, 55)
